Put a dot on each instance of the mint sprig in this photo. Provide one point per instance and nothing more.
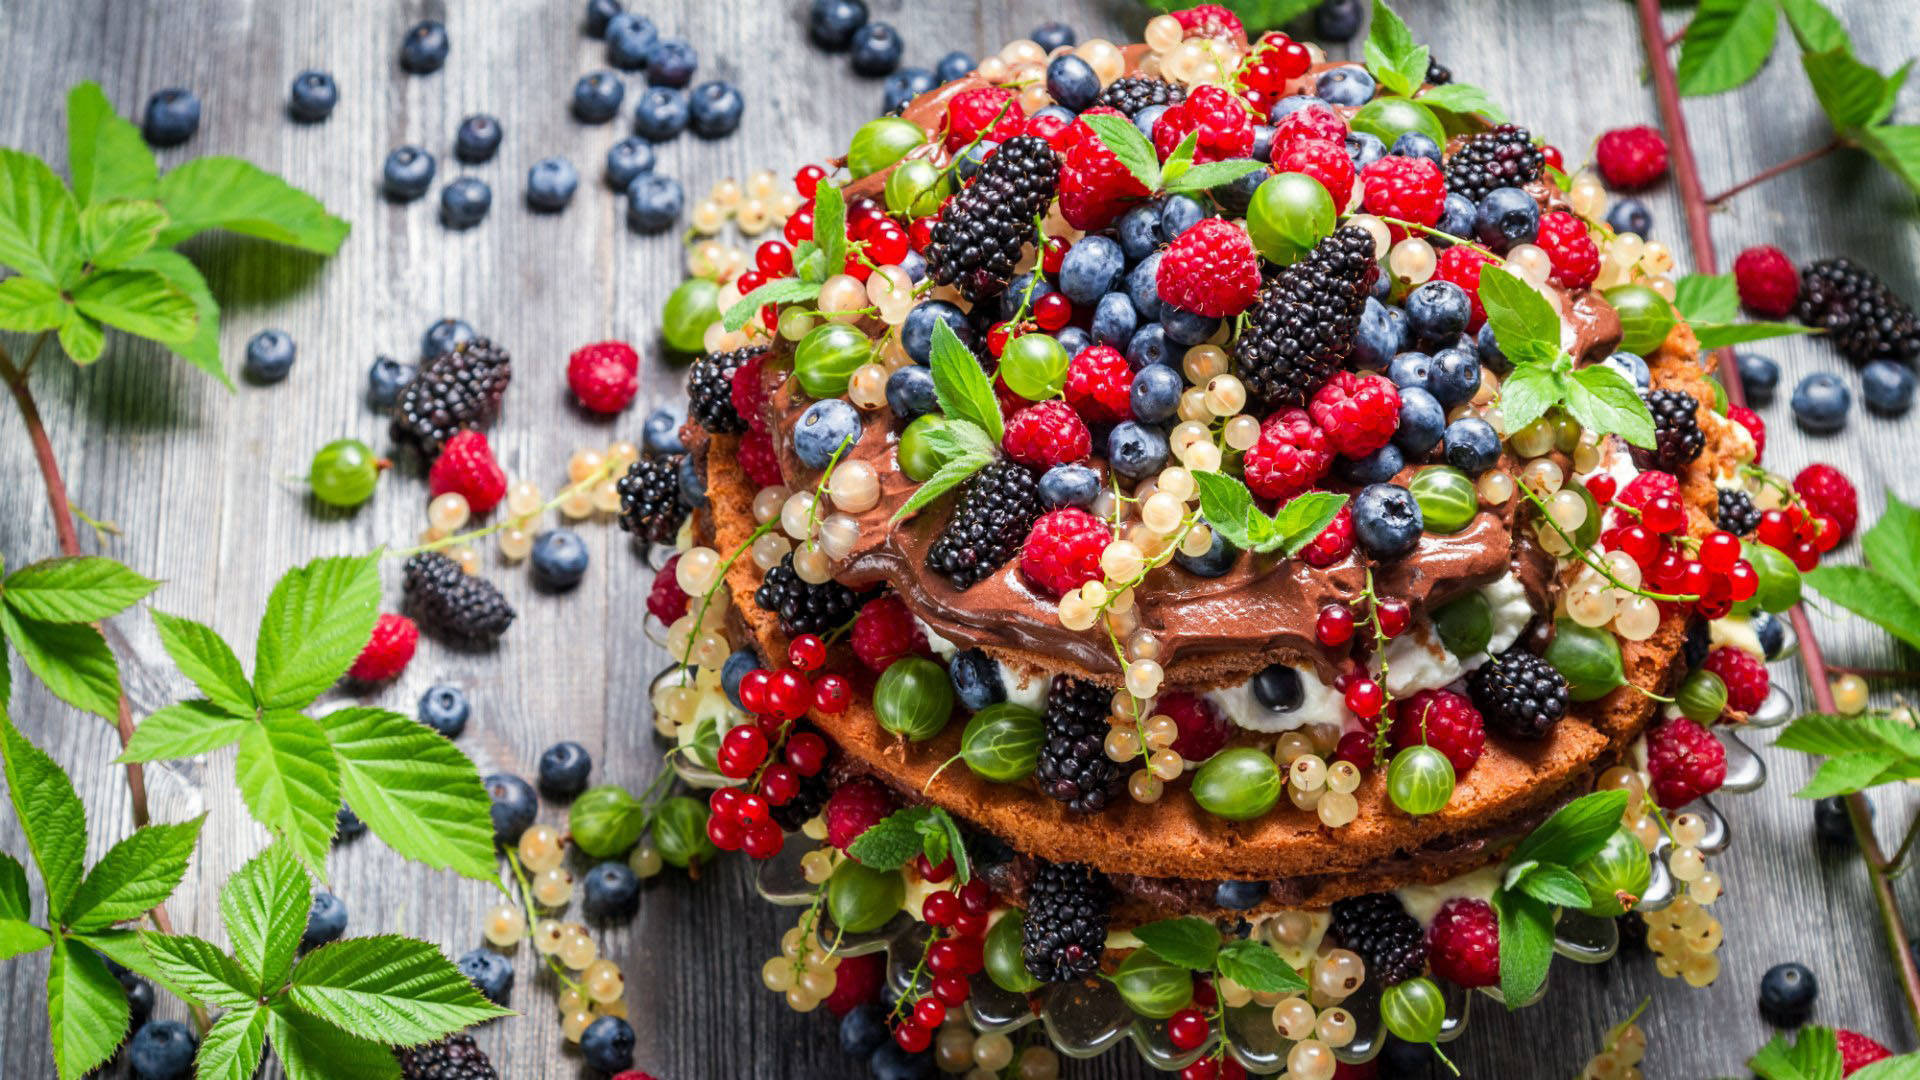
(925, 830)
(1813, 1055)
(1538, 879)
(1527, 330)
(1196, 944)
(971, 437)
(1230, 511)
(1179, 175)
(1397, 62)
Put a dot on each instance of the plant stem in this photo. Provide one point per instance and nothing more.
(1772, 171)
(1876, 672)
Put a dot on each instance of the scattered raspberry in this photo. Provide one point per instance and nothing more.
(1210, 20)
(1685, 761)
(1461, 265)
(1203, 728)
(1211, 269)
(855, 982)
(665, 600)
(1224, 125)
(1047, 433)
(1095, 188)
(1334, 543)
(1443, 720)
(748, 391)
(1409, 188)
(1315, 123)
(1063, 550)
(758, 460)
(1829, 494)
(1857, 1051)
(466, 467)
(1755, 426)
(1359, 413)
(1744, 674)
(973, 111)
(853, 808)
(1463, 944)
(1099, 384)
(1326, 162)
(884, 631)
(633, 1074)
(1631, 158)
(1290, 456)
(604, 376)
(1767, 281)
(1575, 257)
(388, 650)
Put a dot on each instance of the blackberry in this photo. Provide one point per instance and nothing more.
(1677, 436)
(1736, 513)
(806, 802)
(650, 504)
(978, 236)
(1378, 928)
(448, 599)
(997, 507)
(458, 390)
(803, 608)
(1860, 314)
(1520, 694)
(1437, 73)
(1065, 929)
(1503, 157)
(1300, 328)
(1694, 648)
(1074, 767)
(1131, 93)
(710, 391)
(452, 1058)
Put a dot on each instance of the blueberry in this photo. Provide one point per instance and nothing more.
(599, 14)
(1262, 143)
(627, 159)
(670, 62)
(1831, 822)
(1507, 216)
(1211, 563)
(660, 433)
(976, 679)
(739, 662)
(661, 114)
(910, 391)
(892, 1063)
(1156, 393)
(1136, 451)
(1437, 312)
(693, 483)
(864, 1030)
(1386, 520)
(464, 202)
(140, 1001)
(1413, 144)
(1364, 149)
(973, 157)
(1422, 419)
(1278, 688)
(445, 709)
(1456, 219)
(1634, 367)
(559, 558)
(1348, 84)
(916, 333)
(1239, 895)
(1069, 485)
(269, 356)
(1185, 327)
(444, 337)
(954, 65)
(714, 109)
(1455, 375)
(825, 427)
(1759, 376)
(1786, 994)
(1821, 401)
(831, 23)
(630, 38)
(326, 921)
(1114, 321)
(904, 85)
(1772, 632)
(1488, 348)
(1382, 288)
(1236, 195)
(563, 770)
(162, 1050)
(611, 892)
(551, 184)
(596, 97)
(1293, 103)
(490, 973)
(424, 49)
(1143, 289)
(1887, 387)
(607, 1044)
(1376, 468)
(312, 97)
(1470, 445)
(1052, 35)
(1091, 269)
(1630, 216)
(1382, 333)
(514, 806)
(407, 174)
(915, 264)
(347, 825)
(1144, 120)
(385, 379)
(876, 49)
(1337, 20)
(1072, 81)
(477, 138)
(1148, 347)
(1410, 369)
(654, 203)
(1398, 1057)
(172, 116)
(1018, 292)
(1178, 213)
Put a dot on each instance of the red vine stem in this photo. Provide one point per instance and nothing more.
(1700, 236)
(1772, 171)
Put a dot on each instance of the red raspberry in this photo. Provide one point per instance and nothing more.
(666, 601)
(1211, 269)
(1326, 162)
(1828, 493)
(884, 631)
(1461, 265)
(1063, 550)
(1359, 413)
(1857, 1051)
(633, 1074)
(388, 650)
(1290, 456)
(604, 376)
(466, 468)
(758, 460)
(1767, 281)
(1224, 124)
(749, 392)
(1047, 433)
(1685, 761)
(1210, 20)
(1203, 727)
(1646, 487)
(853, 808)
(855, 982)
(1095, 188)
(1314, 123)
(1100, 384)
(1755, 426)
(972, 111)
(1409, 188)
(1744, 674)
(1631, 158)
(1576, 258)
(1463, 944)
(1334, 543)
(1451, 725)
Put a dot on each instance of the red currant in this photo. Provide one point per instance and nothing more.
(939, 908)
(1052, 311)
(1828, 535)
(1187, 1029)
(862, 216)
(1334, 627)
(968, 925)
(1204, 1069)
(944, 957)
(1664, 514)
(1774, 529)
(807, 752)
(1602, 487)
(744, 746)
(725, 833)
(753, 809)
(807, 180)
(1356, 749)
(997, 337)
(789, 695)
(1742, 581)
(1364, 697)
(887, 244)
(807, 652)
(763, 841)
(920, 233)
(912, 1037)
(1394, 615)
(934, 874)
(831, 694)
(780, 785)
(976, 897)
(1804, 555)
(952, 989)
(1639, 544)
(1694, 578)
(929, 1012)
(1719, 550)
(1552, 154)
(774, 258)
(799, 227)
(753, 690)
(1055, 254)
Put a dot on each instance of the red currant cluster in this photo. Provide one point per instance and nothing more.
(1800, 535)
(955, 952)
(875, 238)
(1274, 61)
(1650, 527)
(1189, 1029)
(742, 817)
(1364, 696)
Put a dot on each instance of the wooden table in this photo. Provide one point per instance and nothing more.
(198, 479)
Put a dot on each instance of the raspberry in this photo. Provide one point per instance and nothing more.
(1443, 720)
(1646, 487)
(1461, 265)
(1045, 434)
(1224, 125)
(1857, 1051)
(1210, 269)
(1685, 761)
(1829, 494)
(1359, 413)
(1100, 384)
(748, 391)
(666, 601)
(1209, 20)
(1095, 188)
(855, 982)
(1575, 257)
(604, 376)
(1463, 943)
(884, 631)
(997, 506)
(853, 808)
(1631, 158)
(1300, 330)
(1290, 456)
(1767, 281)
(1063, 550)
(1503, 157)
(758, 460)
(1409, 188)
(973, 111)
(1744, 674)
(1314, 123)
(1203, 728)
(1334, 543)
(466, 467)
(1326, 162)
(1755, 426)
(388, 650)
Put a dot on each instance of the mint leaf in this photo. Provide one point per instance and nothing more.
(39, 221)
(199, 970)
(135, 876)
(1190, 942)
(183, 730)
(234, 1045)
(50, 815)
(14, 900)
(264, 906)
(1575, 831)
(309, 1048)
(783, 291)
(1850, 93)
(1814, 26)
(1716, 336)
(1180, 160)
(1528, 391)
(105, 154)
(291, 782)
(82, 589)
(203, 349)
(1525, 325)
(940, 840)
(1526, 945)
(28, 306)
(19, 937)
(1725, 45)
(1394, 58)
(114, 232)
(1462, 99)
(606, 821)
(950, 475)
(1893, 545)
(1605, 402)
(1901, 1067)
(239, 196)
(893, 841)
(72, 659)
(206, 659)
(1872, 597)
(1815, 1056)
(1554, 885)
(404, 989)
(830, 227)
(1304, 517)
(1228, 507)
(1125, 142)
(141, 302)
(959, 438)
(414, 789)
(87, 1011)
(1706, 298)
(81, 337)
(318, 619)
(1212, 175)
(1258, 968)
(959, 383)
(1897, 146)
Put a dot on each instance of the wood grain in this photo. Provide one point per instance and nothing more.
(199, 480)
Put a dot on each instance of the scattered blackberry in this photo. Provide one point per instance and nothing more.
(1519, 694)
(456, 391)
(1074, 766)
(650, 503)
(1378, 928)
(1131, 93)
(1737, 514)
(1676, 431)
(1860, 314)
(803, 608)
(710, 391)
(1300, 328)
(1437, 73)
(452, 1058)
(1697, 643)
(806, 802)
(1503, 157)
(978, 236)
(1065, 930)
(997, 507)
(448, 599)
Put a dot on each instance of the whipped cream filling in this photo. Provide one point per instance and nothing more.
(1319, 704)
(1735, 631)
(1026, 688)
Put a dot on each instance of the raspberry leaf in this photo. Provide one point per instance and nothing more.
(203, 349)
(113, 233)
(1814, 1056)
(19, 937)
(1230, 510)
(264, 906)
(1462, 99)
(414, 789)
(184, 730)
(27, 305)
(205, 658)
(105, 154)
(1725, 45)
(1526, 945)
(1395, 59)
(50, 815)
(1575, 831)
(1862, 751)
(1131, 148)
(949, 476)
(39, 220)
(141, 302)
(72, 659)
(1893, 545)
(1714, 336)
(318, 619)
(961, 387)
(82, 589)
(1606, 403)
(1897, 146)
(198, 970)
(1814, 26)
(406, 990)
(1190, 942)
(15, 903)
(1852, 94)
(135, 876)
(234, 1044)
(1706, 298)
(87, 1011)
(1258, 968)
(783, 291)
(81, 337)
(239, 196)
(310, 1048)
(290, 781)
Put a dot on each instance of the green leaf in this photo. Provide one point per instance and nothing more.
(1725, 45)
(1258, 968)
(81, 337)
(893, 841)
(1180, 160)
(1304, 517)
(1850, 93)
(112, 233)
(783, 291)
(1902, 1067)
(1554, 885)
(1706, 298)
(50, 815)
(124, 947)
(1213, 174)
(1815, 1056)
(940, 840)
(1872, 597)
(830, 227)
(19, 937)
(39, 221)
(234, 1045)
(264, 906)
(291, 782)
(1862, 751)
(960, 385)
(318, 619)
(414, 789)
(1897, 146)
(14, 900)
(87, 1011)
(1525, 325)
(106, 154)
(239, 196)
(949, 475)
(312, 1049)
(1857, 772)
(1528, 391)
(1893, 545)
(1125, 142)
(203, 349)
(404, 989)
(1396, 60)
(27, 306)
(72, 659)
(206, 659)
(959, 438)
(184, 730)
(1188, 941)
(135, 876)
(1228, 507)
(1604, 401)
(198, 969)
(1526, 945)
(141, 302)
(1716, 336)
(1463, 99)
(81, 589)
(1575, 831)
(1814, 26)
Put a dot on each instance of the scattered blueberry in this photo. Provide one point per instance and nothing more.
(269, 356)
(714, 109)
(445, 709)
(1072, 81)
(739, 662)
(559, 558)
(477, 138)
(551, 184)
(424, 49)
(1069, 485)
(1422, 420)
(876, 49)
(599, 14)
(1759, 376)
(1470, 445)
(1456, 219)
(489, 972)
(162, 1050)
(1630, 215)
(1239, 895)
(1821, 401)
(563, 770)
(1114, 321)
(904, 85)
(1413, 144)
(1364, 149)
(654, 203)
(1382, 334)
(916, 333)
(1787, 992)
(627, 159)
(347, 825)
(139, 1001)
(1410, 369)
(1278, 688)
(312, 97)
(832, 23)
(464, 202)
(514, 806)
(630, 38)
(864, 1030)
(444, 337)
(597, 96)
(1455, 375)
(671, 62)
(1135, 450)
(976, 679)
(1211, 563)
(1437, 312)
(407, 174)
(1148, 347)
(1091, 269)
(1887, 387)
(1386, 520)
(1156, 393)
(172, 116)
(954, 65)
(660, 434)
(1376, 468)
(611, 892)
(1053, 35)
(1831, 821)
(1348, 84)
(607, 1044)
(326, 921)
(1507, 216)
(910, 391)
(662, 113)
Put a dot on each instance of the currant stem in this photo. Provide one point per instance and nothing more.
(1414, 226)
(1598, 565)
(526, 901)
(1772, 171)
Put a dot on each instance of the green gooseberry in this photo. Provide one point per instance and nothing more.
(1779, 587)
(605, 821)
(1414, 1009)
(1391, 117)
(1589, 530)
(1645, 317)
(693, 306)
(881, 142)
(1289, 214)
(1703, 697)
(861, 900)
(827, 357)
(918, 459)
(344, 473)
(1588, 657)
(1447, 497)
(1420, 780)
(914, 698)
(680, 832)
(1616, 876)
(1002, 742)
(1237, 784)
(1004, 954)
(1034, 366)
(916, 188)
(1151, 986)
(1465, 623)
